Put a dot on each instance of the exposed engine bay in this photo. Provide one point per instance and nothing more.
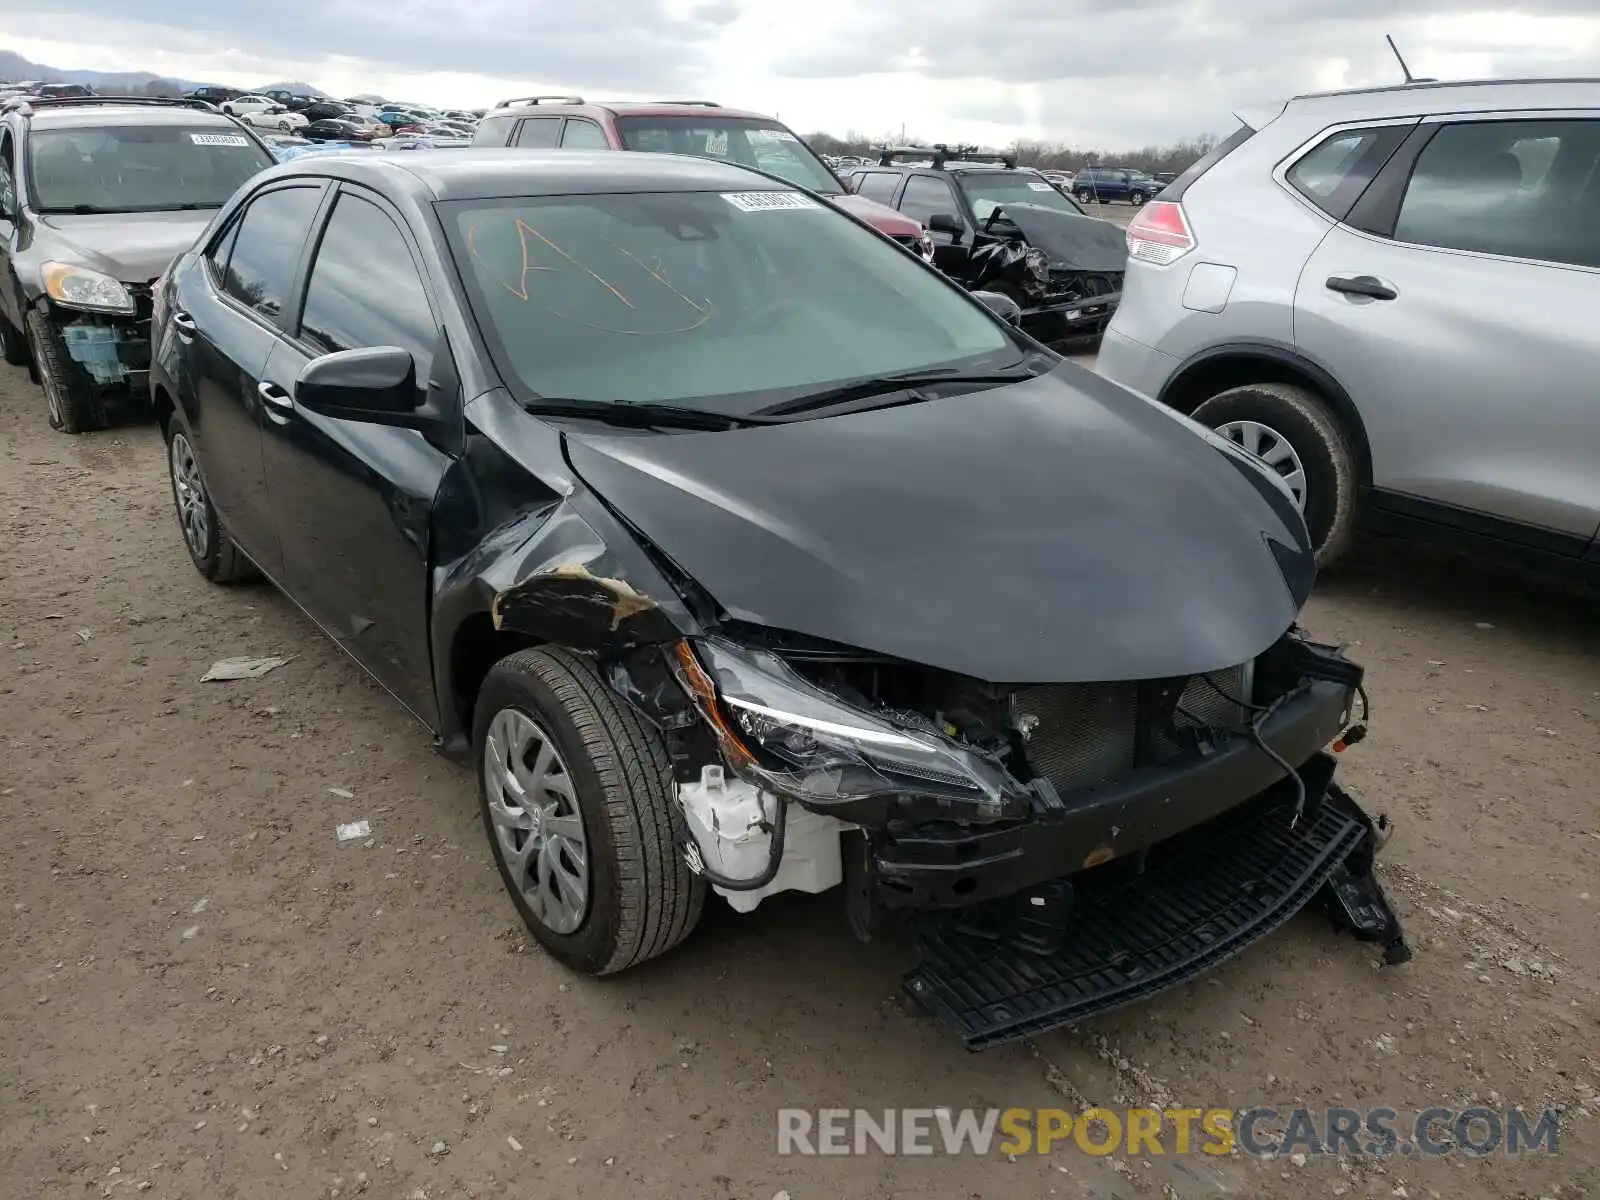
(993, 815)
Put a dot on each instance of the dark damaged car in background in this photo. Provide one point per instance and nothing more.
(97, 195)
(727, 579)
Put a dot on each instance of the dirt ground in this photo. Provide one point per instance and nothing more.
(205, 994)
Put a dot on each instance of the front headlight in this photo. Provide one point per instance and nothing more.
(779, 730)
(78, 287)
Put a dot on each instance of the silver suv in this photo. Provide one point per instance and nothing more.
(1390, 295)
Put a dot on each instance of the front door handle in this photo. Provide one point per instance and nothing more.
(279, 404)
(184, 324)
(1361, 285)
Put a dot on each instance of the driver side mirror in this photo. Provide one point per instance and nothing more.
(947, 223)
(1001, 305)
(377, 385)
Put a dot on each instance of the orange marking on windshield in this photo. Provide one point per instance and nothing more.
(524, 227)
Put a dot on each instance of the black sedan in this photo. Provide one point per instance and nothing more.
(333, 129)
(728, 578)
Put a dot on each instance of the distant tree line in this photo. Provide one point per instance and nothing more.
(1052, 156)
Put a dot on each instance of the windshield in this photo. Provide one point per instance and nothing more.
(729, 302)
(139, 168)
(751, 141)
(988, 190)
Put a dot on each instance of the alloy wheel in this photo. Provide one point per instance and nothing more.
(1272, 448)
(189, 490)
(533, 806)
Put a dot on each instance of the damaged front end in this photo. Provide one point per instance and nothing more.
(103, 326)
(1068, 290)
(1062, 850)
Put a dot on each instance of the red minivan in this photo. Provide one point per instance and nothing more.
(697, 127)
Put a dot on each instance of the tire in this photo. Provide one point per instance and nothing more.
(1136, 199)
(213, 552)
(1085, 196)
(1319, 440)
(642, 899)
(285, 126)
(13, 346)
(75, 403)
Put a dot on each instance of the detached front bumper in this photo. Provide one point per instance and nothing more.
(945, 865)
(1069, 324)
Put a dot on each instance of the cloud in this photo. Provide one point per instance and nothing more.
(1104, 73)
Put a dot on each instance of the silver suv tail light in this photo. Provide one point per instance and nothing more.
(1160, 234)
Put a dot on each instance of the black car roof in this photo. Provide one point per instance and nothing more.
(480, 174)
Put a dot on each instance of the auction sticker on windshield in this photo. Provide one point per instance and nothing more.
(768, 201)
(218, 139)
(1040, 187)
(772, 135)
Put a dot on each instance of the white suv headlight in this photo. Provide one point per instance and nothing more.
(79, 287)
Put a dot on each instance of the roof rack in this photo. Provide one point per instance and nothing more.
(941, 154)
(690, 103)
(538, 100)
(26, 104)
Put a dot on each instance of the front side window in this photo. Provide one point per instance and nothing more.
(140, 168)
(539, 133)
(749, 141)
(8, 177)
(1525, 189)
(925, 196)
(364, 289)
(724, 301)
(989, 190)
(266, 250)
(877, 185)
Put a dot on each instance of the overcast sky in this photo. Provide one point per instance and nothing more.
(1105, 73)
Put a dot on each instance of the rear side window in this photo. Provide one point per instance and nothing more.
(538, 133)
(493, 131)
(583, 135)
(1334, 173)
(267, 248)
(1524, 189)
(877, 185)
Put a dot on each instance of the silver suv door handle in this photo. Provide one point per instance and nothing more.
(1361, 285)
(275, 397)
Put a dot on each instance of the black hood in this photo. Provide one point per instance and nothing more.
(1072, 240)
(130, 247)
(1056, 530)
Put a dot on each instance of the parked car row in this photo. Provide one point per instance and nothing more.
(629, 462)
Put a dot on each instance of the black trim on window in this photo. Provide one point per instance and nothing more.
(1379, 206)
(1386, 139)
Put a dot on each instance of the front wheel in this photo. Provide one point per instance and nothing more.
(285, 126)
(1136, 199)
(1295, 433)
(580, 807)
(74, 402)
(1085, 196)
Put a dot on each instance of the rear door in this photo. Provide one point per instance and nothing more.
(354, 500)
(538, 133)
(227, 315)
(1456, 304)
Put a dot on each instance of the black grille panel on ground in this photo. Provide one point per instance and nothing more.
(1224, 885)
(1086, 734)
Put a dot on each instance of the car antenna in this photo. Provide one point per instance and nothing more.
(1405, 70)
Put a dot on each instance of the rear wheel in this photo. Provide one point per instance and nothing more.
(1136, 198)
(1085, 196)
(75, 403)
(210, 548)
(1294, 431)
(581, 811)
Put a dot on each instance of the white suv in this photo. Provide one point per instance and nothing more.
(1390, 295)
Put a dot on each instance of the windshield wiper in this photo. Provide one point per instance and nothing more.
(76, 210)
(638, 416)
(911, 383)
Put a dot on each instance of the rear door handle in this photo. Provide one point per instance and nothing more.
(279, 404)
(1361, 285)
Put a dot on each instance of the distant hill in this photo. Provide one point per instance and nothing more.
(14, 67)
